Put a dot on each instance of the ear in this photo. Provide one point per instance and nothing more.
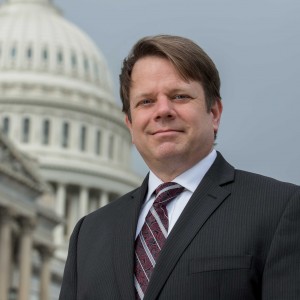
(128, 124)
(216, 112)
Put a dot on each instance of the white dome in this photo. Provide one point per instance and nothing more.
(36, 39)
(56, 99)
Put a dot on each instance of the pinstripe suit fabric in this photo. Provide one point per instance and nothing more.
(238, 238)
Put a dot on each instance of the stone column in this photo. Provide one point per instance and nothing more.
(45, 272)
(104, 199)
(25, 253)
(60, 210)
(5, 251)
(73, 214)
(83, 201)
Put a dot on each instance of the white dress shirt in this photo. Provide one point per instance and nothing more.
(190, 179)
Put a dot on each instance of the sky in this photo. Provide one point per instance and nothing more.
(256, 47)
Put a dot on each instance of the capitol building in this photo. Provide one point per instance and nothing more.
(64, 148)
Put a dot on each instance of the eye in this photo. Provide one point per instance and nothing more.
(181, 97)
(144, 102)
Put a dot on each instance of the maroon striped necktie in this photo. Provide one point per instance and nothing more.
(153, 236)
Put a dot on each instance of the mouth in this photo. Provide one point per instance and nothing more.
(166, 132)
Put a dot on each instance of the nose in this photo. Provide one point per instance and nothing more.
(164, 108)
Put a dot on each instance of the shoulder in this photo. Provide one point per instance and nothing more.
(263, 192)
(253, 189)
(102, 221)
(113, 208)
(251, 180)
(226, 175)
(104, 218)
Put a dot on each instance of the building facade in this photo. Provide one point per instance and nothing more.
(57, 108)
(27, 221)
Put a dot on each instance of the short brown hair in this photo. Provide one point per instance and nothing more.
(191, 62)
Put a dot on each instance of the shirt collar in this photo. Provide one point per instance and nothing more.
(190, 179)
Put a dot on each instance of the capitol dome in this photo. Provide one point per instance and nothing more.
(57, 106)
(35, 39)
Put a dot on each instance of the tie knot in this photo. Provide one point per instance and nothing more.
(166, 192)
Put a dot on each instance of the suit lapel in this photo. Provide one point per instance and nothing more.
(206, 199)
(124, 233)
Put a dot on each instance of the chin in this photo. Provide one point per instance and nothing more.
(169, 155)
(164, 153)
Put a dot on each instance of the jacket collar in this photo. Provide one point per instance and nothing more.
(208, 196)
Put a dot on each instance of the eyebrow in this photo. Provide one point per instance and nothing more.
(171, 91)
(178, 90)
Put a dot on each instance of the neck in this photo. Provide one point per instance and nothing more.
(168, 168)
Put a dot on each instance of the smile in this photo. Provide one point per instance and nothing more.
(167, 132)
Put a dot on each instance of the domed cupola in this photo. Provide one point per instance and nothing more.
(37, 41)
(57, 105)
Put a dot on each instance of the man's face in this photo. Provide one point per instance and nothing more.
(170, 125)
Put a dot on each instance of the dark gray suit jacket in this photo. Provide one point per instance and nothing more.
(238, 238)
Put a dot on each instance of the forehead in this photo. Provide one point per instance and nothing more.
(154, 68)
(151, 61)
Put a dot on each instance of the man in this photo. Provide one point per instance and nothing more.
(196, 228)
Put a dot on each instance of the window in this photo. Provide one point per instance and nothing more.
(86, 64)
(13, 293)
(26, 130)
(73, 61)
(83, 138)
(60, 57)
(46, 132)
(96, 71)
(29, 53)
(98, 143)
(13, 52)
(5, 125)
(45, 54)
(65, 135)
(111, 147)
